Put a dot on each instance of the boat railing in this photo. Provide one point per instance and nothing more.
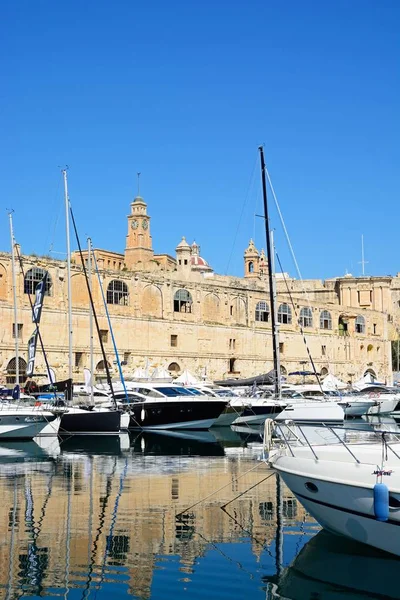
(291, 435)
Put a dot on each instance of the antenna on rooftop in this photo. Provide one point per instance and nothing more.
(362, 261)
(138, 184)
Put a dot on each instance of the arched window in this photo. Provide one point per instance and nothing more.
(285, 314)
(305, 319)
(33, 277)
(324, 372)
(283, 370)
(101, 366)
(183, 302)
(325, 320)
(262, 311)
(251, 267)
(360, 324)
(174, 368)
(12, 369)
(117, 293)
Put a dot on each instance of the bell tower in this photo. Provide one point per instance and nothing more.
(251, 261)
(139, 248)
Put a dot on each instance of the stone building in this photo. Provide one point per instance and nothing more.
(175, 312)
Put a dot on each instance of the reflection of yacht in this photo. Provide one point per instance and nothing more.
(163, 443)
(95, 444)
(332, 567)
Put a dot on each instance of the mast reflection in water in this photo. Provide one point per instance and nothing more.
(123, 517)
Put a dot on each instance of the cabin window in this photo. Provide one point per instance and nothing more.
(262, 311)
(117, 293)
(32, 279)
(325, 320)
(183, 302)
(284, 314)
(360, 324)
(305, 319)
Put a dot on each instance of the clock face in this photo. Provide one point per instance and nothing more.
(145, 224)
(134, 224)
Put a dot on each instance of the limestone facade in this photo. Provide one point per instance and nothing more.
(178, 313)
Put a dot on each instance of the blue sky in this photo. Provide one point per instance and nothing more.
(185, 92)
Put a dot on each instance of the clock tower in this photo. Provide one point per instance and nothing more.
(139, 250)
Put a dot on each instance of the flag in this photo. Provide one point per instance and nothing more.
(31, 353)
(39, 296)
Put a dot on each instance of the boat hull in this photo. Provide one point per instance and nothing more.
(79, 421)
(175, 414)
(25, 425)
(257, 415)
(312, 412)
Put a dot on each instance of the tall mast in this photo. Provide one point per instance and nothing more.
(275, 347)
(14, 285)
(90, 319)
(64, 172)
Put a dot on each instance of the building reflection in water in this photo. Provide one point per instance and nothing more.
(88, 514)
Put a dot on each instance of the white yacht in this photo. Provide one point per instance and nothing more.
(352, 489)
(26, 422)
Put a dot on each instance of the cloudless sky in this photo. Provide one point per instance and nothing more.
(184, 92)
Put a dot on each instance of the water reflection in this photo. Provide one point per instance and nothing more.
(332, 567)
(141, 516)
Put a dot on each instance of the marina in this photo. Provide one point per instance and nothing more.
(192, 515)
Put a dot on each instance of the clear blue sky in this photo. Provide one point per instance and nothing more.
(185, 92)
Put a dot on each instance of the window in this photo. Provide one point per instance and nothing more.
(11, 370)
(251, 267)
(232, 365)
(174, 367)
(33, 277)
(101, 366)
(281, 347)
(285, 314)
(305, 319)
(127, 356)
(185, 261)
(374, 328)
(174, 340)
(104, 335)
(266, 510)
(78, 359)
(183, 302)
(180, 261)
(232, 344)
(289, 508)
(325, 320)
(19, 330)
(231, 310)
(262, 311)
(175, 488)
(360, 324)
(323, 350)
(117, 293)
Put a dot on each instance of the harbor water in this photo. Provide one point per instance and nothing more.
(159, 516)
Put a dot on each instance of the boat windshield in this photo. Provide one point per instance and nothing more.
(195, 391)
(173, 391)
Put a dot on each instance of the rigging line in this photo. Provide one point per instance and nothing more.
(241, 214)
(21, 266)
(287, 236)
(250, 488)
(109, 381)
(300, 325)
(180, 514)
(257, 541)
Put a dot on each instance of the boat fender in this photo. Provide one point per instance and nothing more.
(381, 502)
(142, 414)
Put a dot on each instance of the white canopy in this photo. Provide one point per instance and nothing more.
(332, 383)
(187, 378)
(161, 373)
(139, 373)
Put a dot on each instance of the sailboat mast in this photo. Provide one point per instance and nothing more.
(275, 347)
(90, 319)
(14, 285)
(64, 172)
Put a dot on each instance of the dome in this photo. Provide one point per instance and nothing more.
(198, 261)
(139, 200)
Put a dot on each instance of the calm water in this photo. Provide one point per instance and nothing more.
(142, 517)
